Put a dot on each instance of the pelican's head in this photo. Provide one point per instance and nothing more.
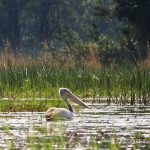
(67, 94)
(63, 92)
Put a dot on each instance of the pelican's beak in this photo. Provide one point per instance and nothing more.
(76, 100)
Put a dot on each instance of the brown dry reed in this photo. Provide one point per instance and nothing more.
(86, 57)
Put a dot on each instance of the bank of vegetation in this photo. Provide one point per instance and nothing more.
(95, 48)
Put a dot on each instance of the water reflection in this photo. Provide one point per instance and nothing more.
(122, 123)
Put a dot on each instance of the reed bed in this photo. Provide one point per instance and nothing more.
(25, 76)
(125, 84)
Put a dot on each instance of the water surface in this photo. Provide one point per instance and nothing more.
(129, 126)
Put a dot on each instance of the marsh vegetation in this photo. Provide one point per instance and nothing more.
(118, 96)
(103, 127)
(122, 84)
(99, 49)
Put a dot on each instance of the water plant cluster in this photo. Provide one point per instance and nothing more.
(123, 84)
(73, 140)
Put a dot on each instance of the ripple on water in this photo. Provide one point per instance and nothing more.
(101, 121)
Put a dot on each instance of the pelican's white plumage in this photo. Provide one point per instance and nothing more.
(58, 113)
(62, 113)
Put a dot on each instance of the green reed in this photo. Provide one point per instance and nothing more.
(128, 83)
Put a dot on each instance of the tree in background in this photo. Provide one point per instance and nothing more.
(135, 14)
(10, 21)
(62, 24)
(29, 23)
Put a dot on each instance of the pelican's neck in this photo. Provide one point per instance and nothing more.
(70, 107)
(62, 93)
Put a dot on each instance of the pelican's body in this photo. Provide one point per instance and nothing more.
(59, 113)
(54, 113)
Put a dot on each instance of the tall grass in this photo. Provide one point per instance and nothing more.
(129, 84)
(23, 76)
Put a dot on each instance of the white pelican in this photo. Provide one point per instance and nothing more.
(62, 113)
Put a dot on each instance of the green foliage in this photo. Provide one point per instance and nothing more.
(27, 24)
(136, 15)
(128, 83)
(29, 105)
(109, 50)
(34, 22)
